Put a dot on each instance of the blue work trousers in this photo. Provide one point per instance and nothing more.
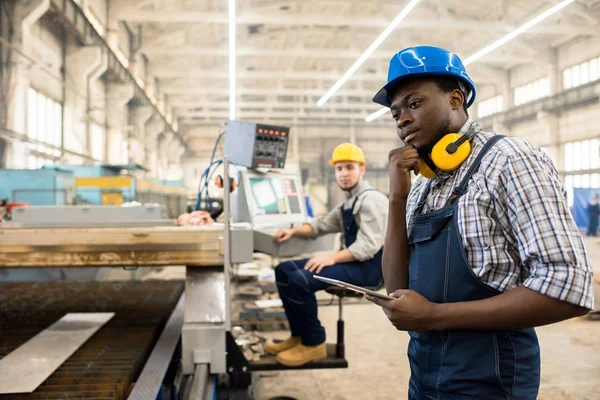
(297, 289)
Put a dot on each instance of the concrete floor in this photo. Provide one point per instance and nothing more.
(379, 366)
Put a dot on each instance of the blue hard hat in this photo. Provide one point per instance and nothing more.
(423, 61)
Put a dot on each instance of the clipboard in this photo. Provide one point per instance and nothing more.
(352, 287)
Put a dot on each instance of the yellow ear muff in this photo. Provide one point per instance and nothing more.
(446, 155)
(425, 170)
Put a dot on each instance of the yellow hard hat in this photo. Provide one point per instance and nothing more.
(347, 152)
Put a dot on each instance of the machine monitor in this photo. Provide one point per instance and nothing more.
(268, 196)
(271, 201)
(275, 195)
(272, 198)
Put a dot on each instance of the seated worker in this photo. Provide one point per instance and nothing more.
(362, 219)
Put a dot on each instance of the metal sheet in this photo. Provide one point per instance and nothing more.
(26, 368)
(81, 215)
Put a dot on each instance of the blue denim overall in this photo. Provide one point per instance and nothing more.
(485, 365)
(297, 287)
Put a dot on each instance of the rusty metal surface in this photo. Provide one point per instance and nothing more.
(107, 365)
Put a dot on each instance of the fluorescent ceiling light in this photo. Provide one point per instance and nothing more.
(488, 49)
(377, 114)
(232, 60)
(369, 51)
(493, 46)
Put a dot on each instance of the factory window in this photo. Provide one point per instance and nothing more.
(582, 156)
(490, 106)
(532, 91)
(44, 124)
(581, 74)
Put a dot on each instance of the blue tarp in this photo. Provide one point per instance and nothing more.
(581, 198)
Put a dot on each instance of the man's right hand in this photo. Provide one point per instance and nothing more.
(402, 161)
(283, 235)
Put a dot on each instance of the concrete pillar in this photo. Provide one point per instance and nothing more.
(352, 134)
(506, 91)
(175, 164)
(140, 115)
(154, 127)
(164, 144)
(84, 65)
(555, 77)
(96, 104)
(136, 65)
(161, 101)
(549, 124)
(295, 136)
(118, 95)
(173, 151)
(151, 88)
(27, 13)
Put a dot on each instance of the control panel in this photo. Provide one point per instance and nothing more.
(256, 145)
(292, 194)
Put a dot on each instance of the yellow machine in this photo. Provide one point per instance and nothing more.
(116, 190)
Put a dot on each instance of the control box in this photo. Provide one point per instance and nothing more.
(256, 145)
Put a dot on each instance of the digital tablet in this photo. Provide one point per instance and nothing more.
(354, 288)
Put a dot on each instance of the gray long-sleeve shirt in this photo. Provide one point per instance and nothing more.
(371, 213)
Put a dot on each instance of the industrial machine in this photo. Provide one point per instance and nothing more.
(269, 197)
(256, 145)
(90, 184)
(45, 186)
(271, 201)
(90, 237)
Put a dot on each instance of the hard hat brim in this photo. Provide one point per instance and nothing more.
(383, 95)
(332, 162)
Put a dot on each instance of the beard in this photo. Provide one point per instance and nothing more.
(348, 189)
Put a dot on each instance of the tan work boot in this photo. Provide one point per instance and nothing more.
(276, 348)
(301, 354)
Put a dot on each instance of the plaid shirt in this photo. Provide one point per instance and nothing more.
(514, 220)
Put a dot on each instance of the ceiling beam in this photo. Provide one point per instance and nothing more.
(584, 12)
(188, 110)
(254, 115)
(194, 51)
(377, 133)
(170, 75)
(190, 91)
(179, 17)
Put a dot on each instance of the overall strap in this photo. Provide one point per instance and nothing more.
(462, 187)
(423, 197)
